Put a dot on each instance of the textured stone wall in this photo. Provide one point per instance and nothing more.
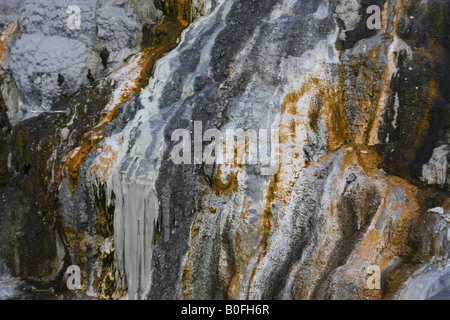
(362, 180)
(55, 58)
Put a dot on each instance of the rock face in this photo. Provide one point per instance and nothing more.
(9, 10)
(121, 184)
(436, 171)
(57, 55)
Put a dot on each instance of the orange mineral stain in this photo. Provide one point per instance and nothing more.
(5, 34)
(129, 80)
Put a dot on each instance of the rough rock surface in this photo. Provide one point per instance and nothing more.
(10, 10)
(437, 170)
(361, 180)
(55, 57)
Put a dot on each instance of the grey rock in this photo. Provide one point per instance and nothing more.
(47, 67)
(9, 11)
(145, 10)
(351, 178)
(54, 58)
(437, 170)
(118, 32)
(51, 18)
